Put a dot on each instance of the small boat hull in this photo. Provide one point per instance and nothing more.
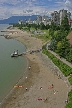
(16, 55)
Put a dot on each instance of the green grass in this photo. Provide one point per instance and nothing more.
(32, 28)
(65, 69)
(70, 79)
(69, 105)
(44, 37)
(70, 96)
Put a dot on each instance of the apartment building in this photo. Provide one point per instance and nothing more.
(38, 19)
(57, 17)
(62, 14)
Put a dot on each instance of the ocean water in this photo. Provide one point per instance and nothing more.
(11, 69)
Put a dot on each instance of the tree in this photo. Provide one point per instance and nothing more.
(53, 26)
(51, 33)
(60, 35)
(53, 45)
(62, 47)
(65, 24)
(42, 26)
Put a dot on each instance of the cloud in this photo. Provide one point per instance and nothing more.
(28, 7)
(68, 4)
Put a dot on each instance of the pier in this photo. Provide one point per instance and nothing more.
(29, 51)
(32, 51)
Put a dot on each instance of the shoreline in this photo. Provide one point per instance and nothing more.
(39, 76)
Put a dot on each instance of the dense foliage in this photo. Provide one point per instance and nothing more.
(59, 42)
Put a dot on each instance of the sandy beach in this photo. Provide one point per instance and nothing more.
(44, 88)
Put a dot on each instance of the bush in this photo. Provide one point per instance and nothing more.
(70, 80)
(69, 105)
(70, 95)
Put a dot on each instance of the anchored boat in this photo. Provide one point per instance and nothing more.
(15, 54)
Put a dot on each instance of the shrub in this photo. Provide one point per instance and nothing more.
(70, 80)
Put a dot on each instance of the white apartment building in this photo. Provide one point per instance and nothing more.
(62, 14)
(44, 19)
(39, 19)
(57, 17)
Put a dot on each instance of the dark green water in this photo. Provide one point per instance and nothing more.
(11, 69)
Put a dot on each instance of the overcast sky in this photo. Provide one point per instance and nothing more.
(28, 7)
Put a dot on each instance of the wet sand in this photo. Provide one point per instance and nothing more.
(39, 93)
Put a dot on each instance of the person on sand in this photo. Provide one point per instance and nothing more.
(66, 101)
(26, 89)
(39, 99)
(45, 99)
(51, 86)
(29, 67)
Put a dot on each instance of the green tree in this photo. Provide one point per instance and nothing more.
(51, 33)
(62, 47)
(42, 26)
(60, 35)
(65, 24)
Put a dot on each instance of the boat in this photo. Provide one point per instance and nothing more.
(15, 54)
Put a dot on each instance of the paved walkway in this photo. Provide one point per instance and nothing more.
(62, 59)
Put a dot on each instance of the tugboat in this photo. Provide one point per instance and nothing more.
(15, 54)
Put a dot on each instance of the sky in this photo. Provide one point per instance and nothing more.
(10, 8)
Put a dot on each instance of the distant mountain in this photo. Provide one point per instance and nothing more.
(14, 19)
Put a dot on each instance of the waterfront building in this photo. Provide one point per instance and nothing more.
(38, 19)
(55, 17)
(20, 22)
(62, 14)
(29, 21)
(44, 20)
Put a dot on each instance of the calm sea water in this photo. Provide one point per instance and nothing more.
(11, 69)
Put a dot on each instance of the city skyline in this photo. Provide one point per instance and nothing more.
(10, 8)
